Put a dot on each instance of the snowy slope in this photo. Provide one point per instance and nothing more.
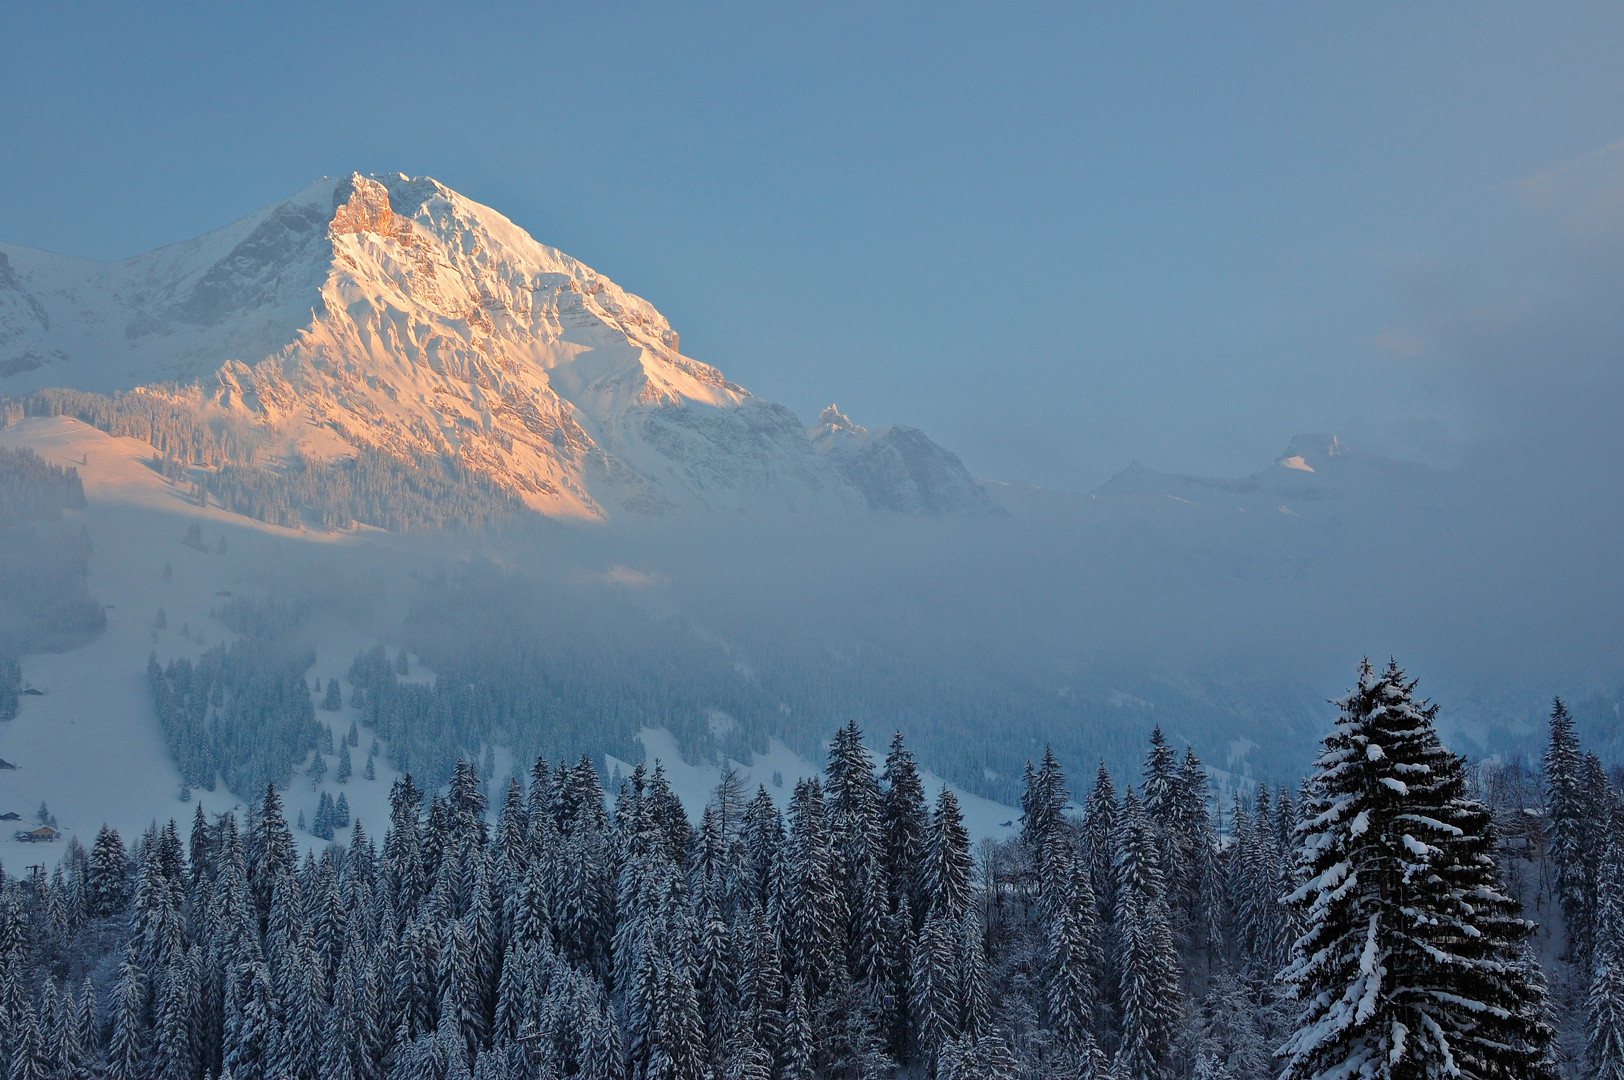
(392, 313)
(90, 745)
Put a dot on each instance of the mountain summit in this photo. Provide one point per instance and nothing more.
(390, 313)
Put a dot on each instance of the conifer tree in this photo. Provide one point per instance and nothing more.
(975, 1004)
(1043, 801)
(1197, 899)
(1071, 954)
(986, 1058)
(28, 1052)
(175, 1045)
(1161, 786)
(109, 866)
(761, 993)
(814, 911)
(66, 1047)
(854, 822)
(87, 1015)
(947, 861)
(906, 821)
(342, 1042)
(1148, 985)
(717, 979)
(1605, 1046)
(1098, 838)
(798, 1054)
(304, 1008)
(1409, 965)
(749, 1060)
(1253, 886)
(1046, 853)
(271, 854)
(1570, 813)
(933, 986)
(127, 1050)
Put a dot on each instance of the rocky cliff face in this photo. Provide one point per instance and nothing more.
(898, 468)
(392, 313)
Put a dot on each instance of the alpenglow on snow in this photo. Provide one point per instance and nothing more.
(391, 314)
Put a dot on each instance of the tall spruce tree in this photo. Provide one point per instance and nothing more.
(947, 861)
(906, 822)
(1570, 816)
(109, 867)
(1071, 954)
(1043, 802)
(127, 1050)
(1148, 975)
(175, 1046)
(1605, 1046)
(1409, 966)
(1098, 837)
(29, 1060)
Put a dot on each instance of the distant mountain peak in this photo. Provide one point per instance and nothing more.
(898, 468)
(1310, 453)
(390, 313)
(832, 419)
(1314, 468)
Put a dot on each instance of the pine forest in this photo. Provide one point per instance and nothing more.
(1372, 923)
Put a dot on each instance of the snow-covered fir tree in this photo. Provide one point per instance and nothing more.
(1149, 987)
(1409, 965)
(1605, 1004)
(1571, 815)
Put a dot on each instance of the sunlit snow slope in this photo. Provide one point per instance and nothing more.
(392, 313)
(89, 745)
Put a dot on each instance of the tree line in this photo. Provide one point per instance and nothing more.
(243, 713)
(219, 456)
(1360, 929)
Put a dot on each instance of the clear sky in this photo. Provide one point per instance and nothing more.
(1056, 238)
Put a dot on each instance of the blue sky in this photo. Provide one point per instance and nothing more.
(1057, 239)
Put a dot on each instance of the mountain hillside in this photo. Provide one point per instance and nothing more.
(1313, 468)
(898, 467)
(390, 314)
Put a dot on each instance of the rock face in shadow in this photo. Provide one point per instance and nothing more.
(898, 468)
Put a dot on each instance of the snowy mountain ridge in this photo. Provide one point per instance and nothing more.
(1313, 468)
(391, 313)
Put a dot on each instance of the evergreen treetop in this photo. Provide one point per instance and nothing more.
(1409, 966)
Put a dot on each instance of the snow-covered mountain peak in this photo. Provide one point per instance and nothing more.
(392, 313)
(1310, 453)
(835, 429)
(897, 468)
(835, 420)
